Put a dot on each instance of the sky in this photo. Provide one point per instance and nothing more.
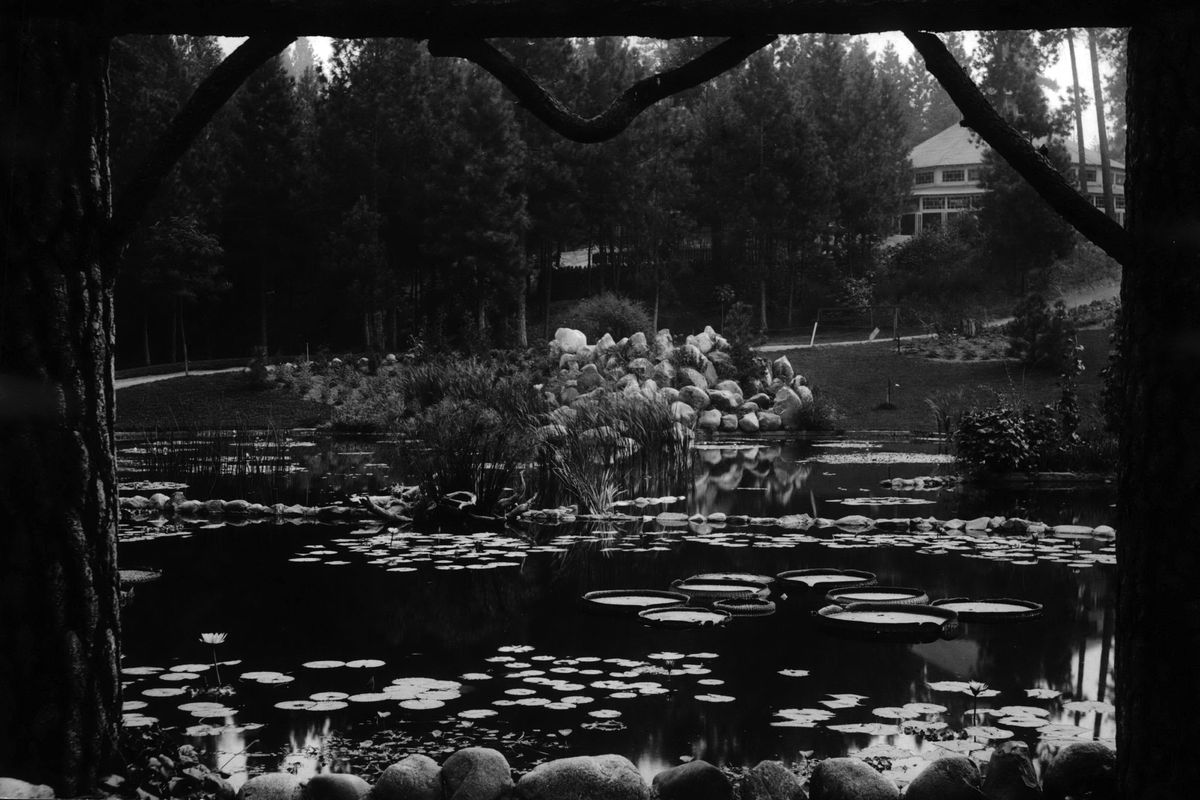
(1059, 73)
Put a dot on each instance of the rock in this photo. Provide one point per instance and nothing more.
(695, 397)
(721, 360)
(710, 372)
(761, 399)
(335, 786)
(568, 395)
(746, 408)
(781, 368)
(700, 341)
(849, 779)
(1010, 774)
(663, 344)
(628, 381)
(650, 390)
(589, 378)
(605, 343)
(949, 778)
(733, 388)
(729, 423)
(213, 507)
(682, 412)
(749, 423)
(709, 420)
(664, 373)
(569, 340)
(805, 394)
(768, 421)
(414, 778)
(476, 773)
(690, 377)
(722, 400)
(638, 347)
(607, 777)
(214, 786)
(695, 780)
(691, 356)
(640, 367)
(789, 408)
(271, 786)
(668, 395)
(23, 790)
(1082, 769)
(771, 780)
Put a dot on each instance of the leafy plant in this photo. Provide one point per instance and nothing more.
(610, 313)
(1039, 336)
(1007, 438)
(743, 336)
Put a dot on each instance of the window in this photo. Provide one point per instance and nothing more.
(925, 176)
(1119, 178)
(973, 173)
(1098, 200)
(933, 202)
(1120, 200)
(959, 203)
(1090, 174)
(953, 176)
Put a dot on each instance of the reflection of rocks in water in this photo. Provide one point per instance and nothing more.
(747, 480)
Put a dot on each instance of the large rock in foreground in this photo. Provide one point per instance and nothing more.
(16, 788)
(1010, 774)
(789, 408)
(696, 780)
(417, 777)
(949, 778)
(476, 773)
(569, 340)
(772, 780)
(335, 786)
(271, 786)
(607, 777)
(849, 779)
(1083, 769)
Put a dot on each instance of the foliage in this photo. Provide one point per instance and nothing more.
(1006, 438)
(939, 267)
(609, 313)
(1041, 337)
(743, 336)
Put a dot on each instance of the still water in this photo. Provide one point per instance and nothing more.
(421, 642)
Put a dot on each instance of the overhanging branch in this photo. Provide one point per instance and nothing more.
(980, 116)
(210, 95)
(625, 108)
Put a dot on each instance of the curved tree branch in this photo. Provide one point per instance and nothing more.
(1006, 140)
(625, 108)
(183, 129)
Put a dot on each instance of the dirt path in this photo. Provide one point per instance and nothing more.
(124, 383)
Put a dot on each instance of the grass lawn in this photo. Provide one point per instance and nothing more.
(206, 401)
(855, 379)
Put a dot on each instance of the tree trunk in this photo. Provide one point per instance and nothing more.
(1083, 182)
(146, 336)
(262, 309)
(173, 336)
(183, 337)
(1158, 598)
(59, 639)
(1110, 206)
(522, 312)
(762, 297)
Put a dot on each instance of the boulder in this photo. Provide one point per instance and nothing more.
(664, 373)
(1010, 774)
(13, 787)
(663, 344)
(709, 420)
(768, 421)
(951, 777)
(771, 780)
(746, 408)
(605, 343)
(732, 387)
(701, 341)
(213, 786)
(414, 778)
(729, 423)
(1082, 769)
(805, 394)
(695, 780)
(626, 381)
(789, 408)
(682, 412)
(271, 786)
(797, 381)
(721, 360)
(568, 395)
(722, 400)
(710, 372)
(335, 786)
(749, 423)
(781, 368)
(607, 777)
(691, 356)
(695, 397)
(761, 399)
(690, 377)
(640, 367)
(849, 779)
(650, 390)
(586, 353)
(668, 395)
(569, 362)
(476, 773)
(637, 346)
(589, 378)
(569, 340)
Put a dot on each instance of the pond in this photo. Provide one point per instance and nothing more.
(352, 645)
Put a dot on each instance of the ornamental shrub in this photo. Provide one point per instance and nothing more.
(610, 313)
(1041, 337)
(1007, 438)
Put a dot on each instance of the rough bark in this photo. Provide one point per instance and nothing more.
(1158, 552)
(59, 636)
(666, 19)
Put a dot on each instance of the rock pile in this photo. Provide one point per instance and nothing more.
(694, 379)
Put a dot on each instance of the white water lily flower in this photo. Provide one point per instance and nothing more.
(213, 638)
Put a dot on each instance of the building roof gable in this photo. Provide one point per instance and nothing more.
(957, 146)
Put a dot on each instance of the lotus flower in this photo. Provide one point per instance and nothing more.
(212, 640)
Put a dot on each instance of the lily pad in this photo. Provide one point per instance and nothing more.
(915, 622)
(746, 606)
(632, 600)
(991, 609)
(680, 617)
(705, 590)
(898, 595)
(807, 579)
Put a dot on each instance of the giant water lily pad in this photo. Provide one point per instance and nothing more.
(632, 600)
(806, 579)
(746, 606)
(681, 617)
(703, 590)
(898, 595)
(918, 623)
(991, 609)
(740, 577)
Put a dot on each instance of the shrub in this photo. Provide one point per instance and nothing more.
(1039, 336)
(743, 335)
(610, 313)
(1007, 438)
